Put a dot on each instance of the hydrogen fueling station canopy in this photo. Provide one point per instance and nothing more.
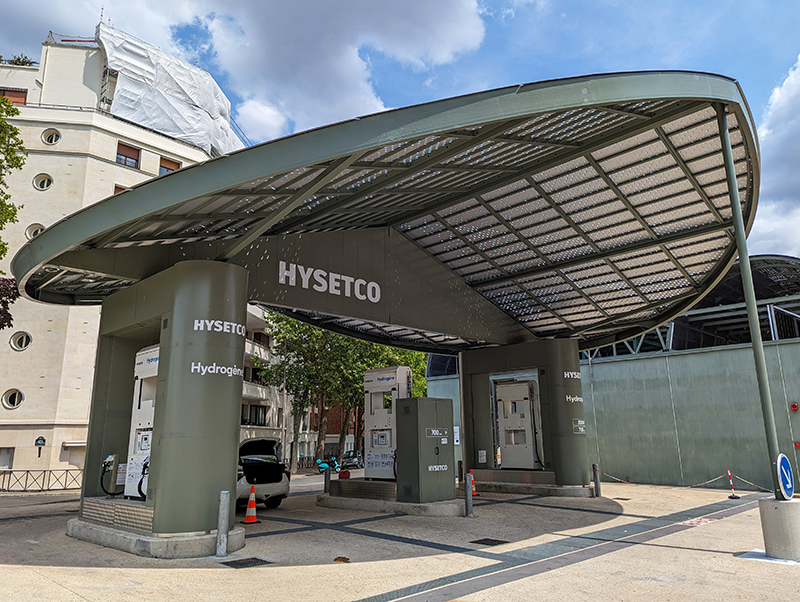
(593, 208)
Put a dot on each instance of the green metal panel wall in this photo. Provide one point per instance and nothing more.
(684, 418)
(629, 407)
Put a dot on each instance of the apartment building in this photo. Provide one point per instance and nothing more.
(97, 116)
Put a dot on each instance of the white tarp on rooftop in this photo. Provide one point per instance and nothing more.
(159, 91)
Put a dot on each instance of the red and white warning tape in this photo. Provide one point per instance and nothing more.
(753, 484)
(722, 476)
(707, 482)
(617, 479)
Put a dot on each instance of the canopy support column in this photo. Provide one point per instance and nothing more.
(749, 298)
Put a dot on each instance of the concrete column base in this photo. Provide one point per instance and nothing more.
(183, 546)
(780, 524)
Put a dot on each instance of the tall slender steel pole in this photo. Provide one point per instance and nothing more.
(749, 298)
(284, 436)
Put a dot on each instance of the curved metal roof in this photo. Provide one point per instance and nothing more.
(721, 317)
(774, 276)
(592, 207)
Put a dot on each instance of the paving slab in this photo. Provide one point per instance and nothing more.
(637, 542)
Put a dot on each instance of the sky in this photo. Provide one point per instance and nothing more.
(288, 66)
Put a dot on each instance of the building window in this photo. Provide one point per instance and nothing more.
(20, 340)
(128, 156)
(258, 415)
(13, 398)
(42, 181)
(168, 166)
(6, 458)
(262, 338)
(33, 231)
(51, 136)
(118, 188)
(17, 96)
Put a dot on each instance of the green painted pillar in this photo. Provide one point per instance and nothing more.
(198, 396)
(567, 422)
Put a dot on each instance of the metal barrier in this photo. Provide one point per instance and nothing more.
(306, 462)
(41, 480)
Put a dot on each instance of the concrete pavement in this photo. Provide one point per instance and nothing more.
(637, 542)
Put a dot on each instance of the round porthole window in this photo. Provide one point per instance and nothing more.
(13, 398)
(20, 340)
(33, 231)
(51, 136)
(42, 182)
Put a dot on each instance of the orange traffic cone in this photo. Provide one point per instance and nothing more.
(251, 517)
(474, 491)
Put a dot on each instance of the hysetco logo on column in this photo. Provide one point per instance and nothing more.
(223, 327)
(332, 283)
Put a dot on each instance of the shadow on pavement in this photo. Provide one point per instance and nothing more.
(32, 531)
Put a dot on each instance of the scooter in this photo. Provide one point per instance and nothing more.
(333, 465)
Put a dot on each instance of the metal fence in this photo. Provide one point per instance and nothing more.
(41, 480)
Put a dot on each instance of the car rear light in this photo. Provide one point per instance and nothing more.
(239, 473)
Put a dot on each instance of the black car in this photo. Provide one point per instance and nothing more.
(352, 459)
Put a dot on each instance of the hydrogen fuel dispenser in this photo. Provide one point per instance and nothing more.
(382, 388)
(145, 374)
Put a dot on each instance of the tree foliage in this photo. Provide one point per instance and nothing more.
(8, 294)
(19, 59)
(326, 369)
(12, 156)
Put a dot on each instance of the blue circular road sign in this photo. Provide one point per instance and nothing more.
(785, 478)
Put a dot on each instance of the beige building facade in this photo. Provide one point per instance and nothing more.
(78, 154)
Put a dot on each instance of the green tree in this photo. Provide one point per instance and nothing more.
(12, 156)
(322, 369)
(20, 59)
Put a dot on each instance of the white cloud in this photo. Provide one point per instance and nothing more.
(775, 230)
(539, 4)
(305, 60)
(24, 25)
(778, 215)
(261, 121)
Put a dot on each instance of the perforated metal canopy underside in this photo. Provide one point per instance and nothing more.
(592, 207)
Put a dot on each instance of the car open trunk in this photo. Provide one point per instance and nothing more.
(259, 461)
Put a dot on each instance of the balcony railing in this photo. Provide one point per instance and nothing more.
(254, 391)
(41, 480)
(252, 348)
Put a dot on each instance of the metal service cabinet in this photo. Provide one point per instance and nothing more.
(425, 459)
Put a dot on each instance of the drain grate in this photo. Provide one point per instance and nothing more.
(488, 541)
(246, 563)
